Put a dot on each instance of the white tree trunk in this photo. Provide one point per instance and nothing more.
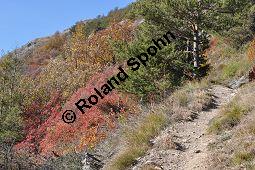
(195, 46)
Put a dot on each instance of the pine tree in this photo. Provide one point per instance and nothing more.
(10, 109)
(191, 21)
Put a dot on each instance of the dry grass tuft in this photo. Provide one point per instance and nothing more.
(192, 98)
(235, 145)
(165, 142)
(230, 117)
(137, 140)
(151, 166)
(243, 157)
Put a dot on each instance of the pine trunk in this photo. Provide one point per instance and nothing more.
(195, 46)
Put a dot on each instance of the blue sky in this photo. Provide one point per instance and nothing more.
(25, 20)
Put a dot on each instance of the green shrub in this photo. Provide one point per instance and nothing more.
(163, 72)
(230, 70)
(239, 36)
(235, 68)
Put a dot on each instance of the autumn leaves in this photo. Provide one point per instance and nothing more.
(134, 63)
(83, 104)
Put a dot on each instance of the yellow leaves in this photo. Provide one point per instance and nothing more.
(90, 139)
(100, 42)
(78, 40)
(96, 49)
(96, 133)
(251, 51)
(56, 42)
(77, 47)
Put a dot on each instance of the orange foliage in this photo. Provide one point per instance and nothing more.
(100, 42)
(251, 51)
(96, 49)
(52, 48)
(212, 45)
(251, 56)
(45, 129)
(252, 74)
(76, 49)
(56, 42)
(52, 134)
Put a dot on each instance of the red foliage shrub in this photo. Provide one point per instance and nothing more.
(252, 74)
(37, 121)
(47, 132)
(212, 45)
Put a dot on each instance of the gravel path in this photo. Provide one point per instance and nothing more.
(191, 137)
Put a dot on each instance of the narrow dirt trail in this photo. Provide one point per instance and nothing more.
(192, 137)
(196, 155)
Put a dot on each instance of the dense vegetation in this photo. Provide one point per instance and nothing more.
(36, 88)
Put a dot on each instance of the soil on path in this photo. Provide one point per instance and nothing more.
(191, 137)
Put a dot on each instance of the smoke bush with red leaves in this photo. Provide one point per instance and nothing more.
(252, 74)
(52, 134)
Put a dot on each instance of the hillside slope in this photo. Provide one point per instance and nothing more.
(166, 85)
